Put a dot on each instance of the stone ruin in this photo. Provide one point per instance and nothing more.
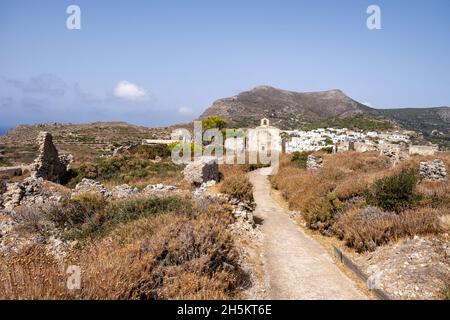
(314, 162)
(202, 170)
(434, 170)
(49, 165)
(395, 153)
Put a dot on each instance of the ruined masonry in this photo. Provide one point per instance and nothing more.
(49, 165)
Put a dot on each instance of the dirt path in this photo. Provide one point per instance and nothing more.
(296, 266)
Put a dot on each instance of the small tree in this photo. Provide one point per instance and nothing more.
(214, 122)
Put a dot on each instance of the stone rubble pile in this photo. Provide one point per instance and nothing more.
(199, 192)
(434, 170)
(314, 162)
(123, 191)
(90, 186)
(242, 210)
(158, 188)
(416, 268)
(29, 192)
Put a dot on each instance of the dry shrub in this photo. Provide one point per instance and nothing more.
(174, 257)
(178, 255)
(238, 186)
(31, 273)
(32, 220)
(330, 192)
(365, 232)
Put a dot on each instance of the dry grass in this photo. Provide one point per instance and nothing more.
(235, 182)
(178, 255)
(31, 274)
(366, 233)
(329, 199)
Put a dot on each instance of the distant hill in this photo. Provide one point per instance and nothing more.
(289, 110)
(286, 109)
(92, 139)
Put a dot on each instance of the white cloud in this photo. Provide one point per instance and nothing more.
(185, 111)
(367, 104)
(130, 91)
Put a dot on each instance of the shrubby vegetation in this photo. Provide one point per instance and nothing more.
(144, 248)
(238, 186)
(136, 167)
(300, 158)
(395, 192)
(335, 199)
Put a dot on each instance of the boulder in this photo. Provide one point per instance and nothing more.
(202, 170)
(49, 165)
(434, 170)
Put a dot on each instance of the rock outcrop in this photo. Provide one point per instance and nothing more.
(90, 186)
(49, 165)
(123, 191)
(434, 170)
(202, 170)
(314, 162)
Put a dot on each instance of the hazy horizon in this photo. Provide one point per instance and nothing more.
(160, 63)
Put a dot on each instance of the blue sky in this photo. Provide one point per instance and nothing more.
(159, 62)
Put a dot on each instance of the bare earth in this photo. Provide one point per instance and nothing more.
(296, 266)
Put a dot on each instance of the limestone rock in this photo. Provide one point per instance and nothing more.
(154, 189)
(123, 191)
(49, 165)
(314, 162)
(91, 186)
(433, 170)
(13, 195)
(202, 170)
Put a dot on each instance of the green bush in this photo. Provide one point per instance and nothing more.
(122, 169)
(300, 158)
(74, 212)
(396, 192)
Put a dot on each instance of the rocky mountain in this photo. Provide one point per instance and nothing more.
(287, 109)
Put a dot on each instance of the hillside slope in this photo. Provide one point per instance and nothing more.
(93, 139)
(288, 109)
(285, 108)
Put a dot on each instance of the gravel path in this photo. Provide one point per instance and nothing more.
(296, 266)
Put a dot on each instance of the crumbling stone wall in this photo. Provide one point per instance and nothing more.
(434, 170)
(49, 165)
